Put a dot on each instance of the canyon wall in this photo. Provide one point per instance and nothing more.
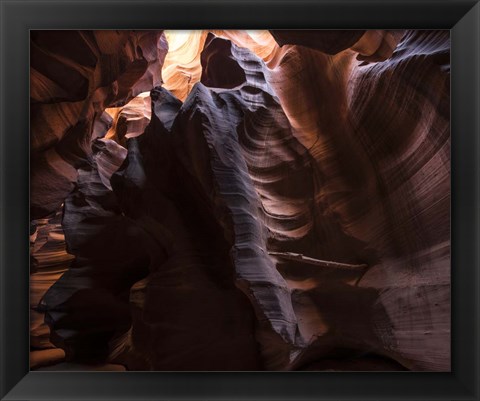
(277, 201)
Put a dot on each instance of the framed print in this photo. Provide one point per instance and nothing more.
(227, 200)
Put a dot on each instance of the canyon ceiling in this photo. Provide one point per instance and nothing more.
(240, 200)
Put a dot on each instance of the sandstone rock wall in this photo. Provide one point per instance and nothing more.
(286, 207)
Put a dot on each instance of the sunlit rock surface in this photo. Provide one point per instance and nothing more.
(181, 69)
(130, 120)
(281, 203)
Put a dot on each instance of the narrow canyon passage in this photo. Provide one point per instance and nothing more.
(240, 200)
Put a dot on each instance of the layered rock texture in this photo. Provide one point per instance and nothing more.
(240, 200)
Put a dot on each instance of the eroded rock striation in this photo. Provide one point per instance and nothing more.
(284, 206)
(74, 77)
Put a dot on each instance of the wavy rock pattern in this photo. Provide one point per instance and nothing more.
(49, 260)
(355, 141)
(130, 120)
(184, 276)
(103, 243)
(236, 205)
(73, 79)
(412, 174)
(291, 214)
(182, 69)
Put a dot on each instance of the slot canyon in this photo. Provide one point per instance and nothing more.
(225, 200)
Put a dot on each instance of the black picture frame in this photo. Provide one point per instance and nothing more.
(17, 17)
